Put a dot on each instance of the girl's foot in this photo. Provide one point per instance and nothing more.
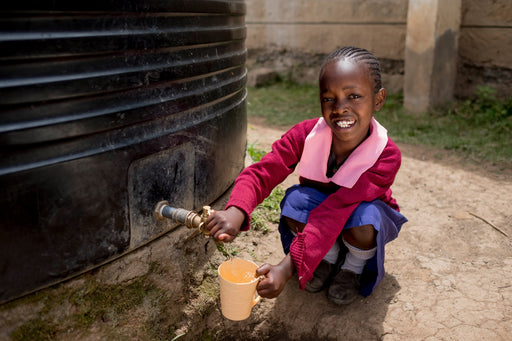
(321, 276)
(344, 288)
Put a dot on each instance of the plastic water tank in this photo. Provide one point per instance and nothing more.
(106, 108)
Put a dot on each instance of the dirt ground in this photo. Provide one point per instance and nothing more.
(448, 275)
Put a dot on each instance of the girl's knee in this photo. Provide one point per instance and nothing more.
(362, 237)
(294, 225)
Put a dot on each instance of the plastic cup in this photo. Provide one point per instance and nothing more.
(238, 281)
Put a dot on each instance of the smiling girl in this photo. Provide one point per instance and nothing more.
(335, 222)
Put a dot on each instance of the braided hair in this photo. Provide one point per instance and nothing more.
(357, 55)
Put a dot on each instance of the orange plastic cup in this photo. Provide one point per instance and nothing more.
(238, 281)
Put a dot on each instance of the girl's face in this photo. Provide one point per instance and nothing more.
(348, 101)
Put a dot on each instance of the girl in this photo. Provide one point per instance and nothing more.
(334, 224)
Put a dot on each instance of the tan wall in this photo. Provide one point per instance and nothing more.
(297, 34)
(486, 32)
(294, 36)
(323, 25)
(485, 46)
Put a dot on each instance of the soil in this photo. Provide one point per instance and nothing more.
(448, 274)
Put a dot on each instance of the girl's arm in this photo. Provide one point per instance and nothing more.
(256, 182)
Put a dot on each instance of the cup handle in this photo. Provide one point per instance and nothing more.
(257, 297)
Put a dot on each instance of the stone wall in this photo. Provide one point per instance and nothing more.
(294, 37)
(485, 46)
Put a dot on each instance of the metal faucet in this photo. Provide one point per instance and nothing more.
(191, 219)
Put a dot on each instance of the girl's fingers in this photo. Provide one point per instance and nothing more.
(224, 237)
(213, 229)
(266, 289)
(263, 269)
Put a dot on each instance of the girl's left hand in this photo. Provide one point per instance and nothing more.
(276, 277)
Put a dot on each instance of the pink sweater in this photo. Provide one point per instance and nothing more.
(325, 222)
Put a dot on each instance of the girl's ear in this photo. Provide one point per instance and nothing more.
(380, 99)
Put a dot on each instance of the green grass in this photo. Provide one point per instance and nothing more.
(283, 103)
(36, 329)
(268, 211)
(92, 303)
(255, 153)
(227, 250)
(478, 129)
(107, 302)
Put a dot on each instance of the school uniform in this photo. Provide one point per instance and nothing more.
(355, 194)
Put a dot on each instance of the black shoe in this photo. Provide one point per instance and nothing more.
(321, 276)
(344, 288)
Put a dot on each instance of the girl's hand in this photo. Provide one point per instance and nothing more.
(225, 225)
(276, 277)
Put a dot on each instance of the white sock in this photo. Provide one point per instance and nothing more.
(356, 259)
(332, 255)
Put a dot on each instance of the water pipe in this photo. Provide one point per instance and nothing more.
(191, 219)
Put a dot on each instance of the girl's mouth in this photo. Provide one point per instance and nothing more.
(345, 123)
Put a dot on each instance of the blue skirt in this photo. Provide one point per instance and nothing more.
(300, 200)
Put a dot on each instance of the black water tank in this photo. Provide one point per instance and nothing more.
(106, 108)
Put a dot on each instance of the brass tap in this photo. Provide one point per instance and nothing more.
(191, 219)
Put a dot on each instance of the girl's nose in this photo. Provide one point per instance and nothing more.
(340, 105)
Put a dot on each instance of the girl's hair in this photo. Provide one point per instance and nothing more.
(357, 55)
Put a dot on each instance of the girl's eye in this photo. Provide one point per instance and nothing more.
(354, 96)
(326, 99)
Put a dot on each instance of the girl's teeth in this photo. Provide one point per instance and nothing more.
(344, 124)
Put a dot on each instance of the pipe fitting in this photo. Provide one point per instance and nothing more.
(188, 218)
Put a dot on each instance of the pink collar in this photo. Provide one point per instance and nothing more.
(313, 163)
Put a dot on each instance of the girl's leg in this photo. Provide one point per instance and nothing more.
(295, 208)
(361, 246)
(294, 225)
(369, 228)
(362, 237)
(325, 269)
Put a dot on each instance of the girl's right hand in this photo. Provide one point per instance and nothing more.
(225, 225)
